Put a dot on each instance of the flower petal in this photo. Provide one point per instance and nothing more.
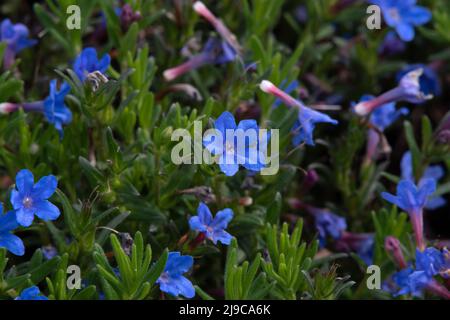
(25, 217)
(24, 181)
(46, 210)
(45, 187)
(12, 243)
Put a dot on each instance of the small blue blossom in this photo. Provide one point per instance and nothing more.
(430, 83)
(213, 228)
(172, 280)
(29, 199)
(303, 129)
(11, 242)
(49, 252)
(431, 261)
(31, 293)
(435, 172)
(307, 118)
(365, 249)
(384, 115)
(392, 44)
(228, 150)
(55, 110)
(411, 282)
(411, 198)
(88, 62)
(328, 224)
(216, 51)
(16, 38)
(403, 16)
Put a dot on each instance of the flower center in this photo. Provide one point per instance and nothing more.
(164, 277)
(229, 147)
(395, 15)
(27, 202)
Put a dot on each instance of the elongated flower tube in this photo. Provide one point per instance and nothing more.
(220, 27)
(412, 199)
(53, 107)
(408, 90)
(307, 117)
(216, 51)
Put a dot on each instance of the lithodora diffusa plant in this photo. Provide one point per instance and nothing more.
(93, 206)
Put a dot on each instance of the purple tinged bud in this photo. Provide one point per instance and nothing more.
(392, 246)
(220, 27)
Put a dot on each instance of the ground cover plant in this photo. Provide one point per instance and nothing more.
(110, 111)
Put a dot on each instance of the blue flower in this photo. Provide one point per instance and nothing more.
(213, 228)
(384, 115)
(304, 127)
(409, 89)
(55, 110)
(216, 51)
(49, 252)
(328, 224)
(431, 261)
(87, 62)
(435, 172)
(307, 118)
(365, 249)
(172, 280)
(29, 199)
(9, 241)
(403, 16)
(410, 281)
(16, 38)
(249, 151)
(412, 199)
(430, 83)
(392, 44)
(31, 293)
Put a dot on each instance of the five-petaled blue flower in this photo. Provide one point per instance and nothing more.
(410, 281)
(172, 280)
(16, 38)
(8, 240)
(403, 16)
(435, 172)
(29, 199)
(236, 145)
(31, 293)
(429, 263)
(55, 110)
(88, 62)
(213, 228)
(329, 225)
(430, 83)
(411, 198)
